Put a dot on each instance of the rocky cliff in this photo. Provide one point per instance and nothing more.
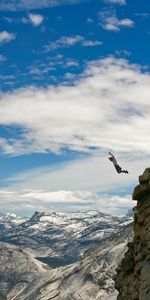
(133, 275)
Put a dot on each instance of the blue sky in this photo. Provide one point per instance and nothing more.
(74, 85)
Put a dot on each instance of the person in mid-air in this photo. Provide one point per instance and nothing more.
(117, 167)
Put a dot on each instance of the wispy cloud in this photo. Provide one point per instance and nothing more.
(6, 37)
(8, 19)
(41, 69)
(110, 22)
(90, 43)
(71, 63)
(121, 2)
(69, 41)
(63, 42)
(51, 64)
(7, 77)
(89, 20)
(32, 4)
(122, 53)
(142, 14)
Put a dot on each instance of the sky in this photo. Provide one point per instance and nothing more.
(74, 85)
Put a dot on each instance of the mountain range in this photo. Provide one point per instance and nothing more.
(61, 256)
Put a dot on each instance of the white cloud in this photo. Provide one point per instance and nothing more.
(107, 108)
(36, 19)
(71, 63)
(80, 184)
(40, 71)
(110, 22)
(68, 41)
(114, 204)
(71, 40)
(28, 201)
(101, 108)
(6, 37)
(92, 173)
(126, 22)
(42, 68)
(89, 43)
(121, 2)
(64, 42)
(32, 4)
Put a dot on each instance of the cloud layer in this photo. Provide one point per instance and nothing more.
(102, 109)
(32, 4)
(28, 200)
(76, 185)
(106, 108)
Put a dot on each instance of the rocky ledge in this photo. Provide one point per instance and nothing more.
(133, 274)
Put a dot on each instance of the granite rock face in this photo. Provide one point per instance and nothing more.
(133, 274)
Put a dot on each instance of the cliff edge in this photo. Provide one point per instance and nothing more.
(133, 274)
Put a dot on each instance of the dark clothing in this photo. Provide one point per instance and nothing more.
(118, 168)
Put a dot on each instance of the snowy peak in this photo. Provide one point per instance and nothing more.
(78, 224)
(63, 218)
(44, 217)
(9, 219)
(66, 236)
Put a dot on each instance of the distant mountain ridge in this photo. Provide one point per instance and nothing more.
(59, 234)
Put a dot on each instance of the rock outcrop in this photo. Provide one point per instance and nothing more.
(133, 274)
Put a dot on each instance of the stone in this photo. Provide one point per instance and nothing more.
(145, 177)
(132, 278)
(140, 191)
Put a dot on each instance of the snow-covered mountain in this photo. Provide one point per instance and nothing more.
(9, 220)
(24, 278)
(64, 237)
(61, 256)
